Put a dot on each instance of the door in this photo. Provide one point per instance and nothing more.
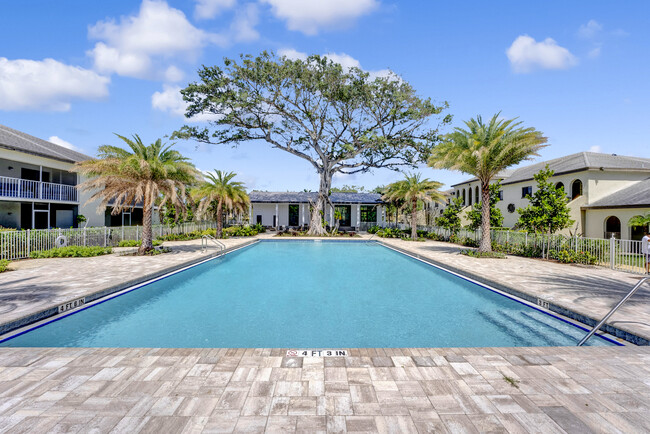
(41, 219)
(294, 212)
(258, 219)
(64, 218)
(346, 214)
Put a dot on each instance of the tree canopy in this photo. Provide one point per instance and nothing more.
(339, 120)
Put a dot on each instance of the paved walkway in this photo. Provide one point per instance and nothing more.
(536, 390)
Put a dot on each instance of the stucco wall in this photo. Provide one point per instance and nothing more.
(595, 220)
(9, 214)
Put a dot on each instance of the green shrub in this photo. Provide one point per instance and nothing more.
(572, 257)
(4, 263)
(134, 243)
(71, 252)
(259, 228)
(373, 229)
(239, 231)
(435, 237)
(477, 254)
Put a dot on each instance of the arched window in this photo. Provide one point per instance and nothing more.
(576, 189)
(478, 196)
(470, 196)
(464, 201)
(559, 185)
(612, 227)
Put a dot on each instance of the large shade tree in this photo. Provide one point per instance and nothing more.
(483, 150)
(219, 189)
(413, 190)
(141, 176)
(339, 120)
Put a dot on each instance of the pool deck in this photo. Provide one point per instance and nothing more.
(556, 389)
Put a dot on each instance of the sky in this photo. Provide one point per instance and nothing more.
(77, 72)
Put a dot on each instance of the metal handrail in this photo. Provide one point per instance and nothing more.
(611, 312)
(204, 243)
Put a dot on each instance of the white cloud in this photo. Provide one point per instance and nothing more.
(59, 141)
(206, 9)
(47, 85)
(242, 28)
(589, 30)
(139, 45)
(173, 74)
(171, 101)
(345, 60)
(526, 54)
(310, 16)
(595, 148)
(594, 52)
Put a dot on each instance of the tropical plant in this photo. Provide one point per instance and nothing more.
(547, 211)
(220, 189)
(124, 179)
(413, 190)
(483, 150)
(475, 215)
(450, 218)
(640, 220)
(339, 120)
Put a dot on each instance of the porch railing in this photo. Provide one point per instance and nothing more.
(27, 189)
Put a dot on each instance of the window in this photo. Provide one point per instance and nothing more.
(368, 214)
(470, 196)
(464, 198)
(612, 227)
(525, 191)
(576, 189)
(559, 185)
(500, 194)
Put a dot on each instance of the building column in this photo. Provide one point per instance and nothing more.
(302, 214)
(250, 213)
(358, 216)
(277, 217)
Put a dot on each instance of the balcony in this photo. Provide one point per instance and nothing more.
(17, 188)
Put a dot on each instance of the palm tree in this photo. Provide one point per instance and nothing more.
(412, 190)
(483, 150)
(142, 176)
(219, 188)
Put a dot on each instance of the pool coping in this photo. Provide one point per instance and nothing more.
(553, 306)
(53, 310)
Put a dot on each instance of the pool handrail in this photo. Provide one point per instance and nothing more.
(614, 309)
(204, 243)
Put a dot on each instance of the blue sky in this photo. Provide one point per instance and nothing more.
(76, 72)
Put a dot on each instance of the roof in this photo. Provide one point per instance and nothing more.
(18, 141)
(306, 197)
(637, 195)
(572, 163)
(578, 162)
(501, 175)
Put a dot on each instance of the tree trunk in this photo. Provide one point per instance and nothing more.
(147, 232)
(486, 240)
(414, 220)
(219, 218)
(316, 222)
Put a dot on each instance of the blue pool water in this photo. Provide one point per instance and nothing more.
(302, 294)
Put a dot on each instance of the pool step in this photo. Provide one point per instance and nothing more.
(536, 327)
(507, 325)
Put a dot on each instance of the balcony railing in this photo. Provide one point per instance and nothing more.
(26, 189)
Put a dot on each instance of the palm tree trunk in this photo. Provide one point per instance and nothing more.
(219, 218)
(486, 240)
(414, 220)
(147, 232)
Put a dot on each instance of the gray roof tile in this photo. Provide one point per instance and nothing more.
(18, 141)
(306, 197)
(578, 162)
(637, 195)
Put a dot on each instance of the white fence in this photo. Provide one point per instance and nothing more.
(20, 244)
(624, 255)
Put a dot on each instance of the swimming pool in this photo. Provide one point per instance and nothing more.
(306, 294)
